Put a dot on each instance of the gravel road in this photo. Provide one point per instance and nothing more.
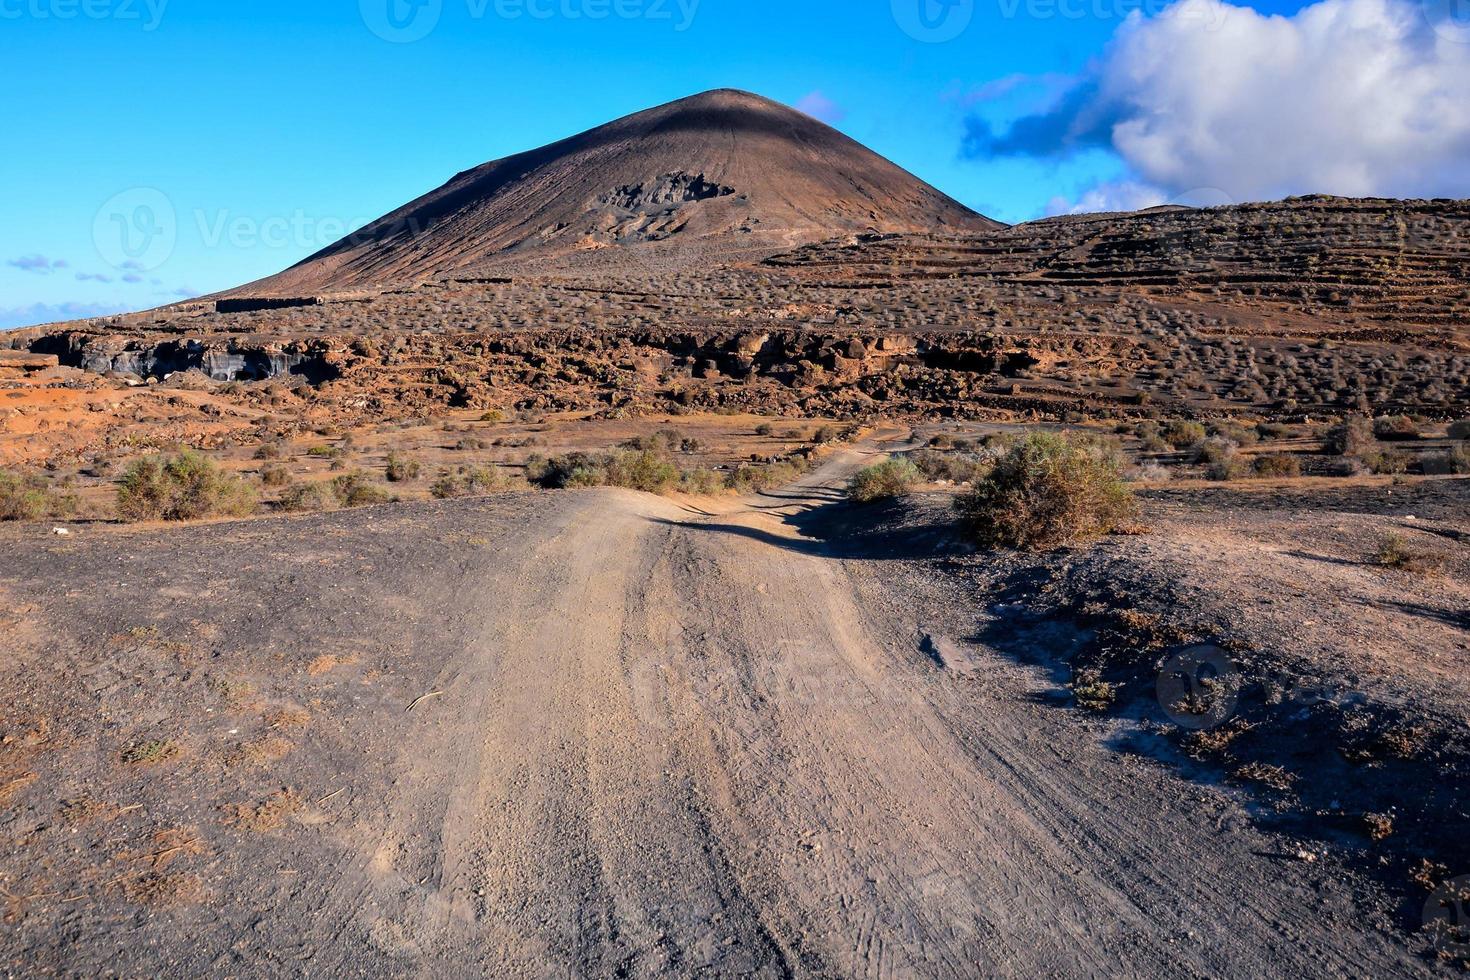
(592, 733)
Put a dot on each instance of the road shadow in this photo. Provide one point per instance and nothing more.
(828, 525)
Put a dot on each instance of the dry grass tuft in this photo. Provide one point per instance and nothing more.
(273, 813)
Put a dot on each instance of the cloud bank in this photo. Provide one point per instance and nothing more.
(1351, 97)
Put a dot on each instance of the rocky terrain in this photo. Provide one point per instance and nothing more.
(341, 643)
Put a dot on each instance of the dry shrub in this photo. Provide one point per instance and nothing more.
(308, 497)
(889, 479)
(270, 814)
(1048, 491)
(28, 497)
(1353, 437)
(1392, 428)
(1396, 553)
(470, 482)
(182, 488)
(1277, 465)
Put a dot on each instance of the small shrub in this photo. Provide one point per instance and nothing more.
(28, 497)
(889, 479)
(356, 490)
(1396, 553)
(1460, 430)
(1455, 462)
(182, 488)
(1229, 468)
(494, 415)
(764, 429)
(1353, 437)
(951, 467)
(703, 482)
(1046, 492)
(274, 476)
(1396, 428)
(1182, 434)
(326, 452)
(634, 469)
(469, 482)
(1092, 692)
(1277, 466)
(1391, 462)
(270, 450)
(402, 469)
(826, 434)
(306, 497)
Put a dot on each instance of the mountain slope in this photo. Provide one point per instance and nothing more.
(720, 174)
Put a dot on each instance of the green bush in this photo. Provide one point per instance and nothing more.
(185, 487)
(889, 479)
(1048, 491)
(28, 497)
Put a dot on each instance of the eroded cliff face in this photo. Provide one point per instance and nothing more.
(146, 357)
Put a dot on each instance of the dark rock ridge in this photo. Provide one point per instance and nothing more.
(230, 360)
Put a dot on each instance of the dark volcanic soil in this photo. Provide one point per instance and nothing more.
(601, 733)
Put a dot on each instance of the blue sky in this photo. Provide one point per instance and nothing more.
(259, 132)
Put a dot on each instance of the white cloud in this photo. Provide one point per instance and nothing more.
(1353, 97)
(818, 106)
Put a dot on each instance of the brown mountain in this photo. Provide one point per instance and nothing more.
(721, 175)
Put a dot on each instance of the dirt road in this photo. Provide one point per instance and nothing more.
(645, 735)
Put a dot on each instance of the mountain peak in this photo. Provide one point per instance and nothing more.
(720, 175)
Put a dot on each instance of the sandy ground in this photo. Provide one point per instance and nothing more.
(592, 733)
